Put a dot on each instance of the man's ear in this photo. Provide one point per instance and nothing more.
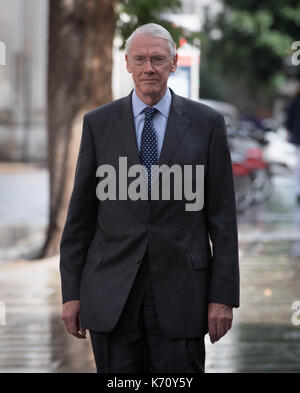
(128, 64)
(174, 65)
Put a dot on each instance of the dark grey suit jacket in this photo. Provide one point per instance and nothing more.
(103, 242)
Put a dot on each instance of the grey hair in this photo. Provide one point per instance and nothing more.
(153, 30)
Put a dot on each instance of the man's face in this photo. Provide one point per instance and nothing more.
(150, 80)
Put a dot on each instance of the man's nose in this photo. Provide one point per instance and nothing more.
(148, 66)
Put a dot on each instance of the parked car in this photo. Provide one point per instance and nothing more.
(230, 112)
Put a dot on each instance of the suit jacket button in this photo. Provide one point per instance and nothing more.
(138, 261)
(150, 227)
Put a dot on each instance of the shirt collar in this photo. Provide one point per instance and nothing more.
(163, 106)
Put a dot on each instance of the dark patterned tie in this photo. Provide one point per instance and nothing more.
(148, 149)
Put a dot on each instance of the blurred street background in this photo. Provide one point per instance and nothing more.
(62, 58)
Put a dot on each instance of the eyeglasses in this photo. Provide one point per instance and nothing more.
(154, 60)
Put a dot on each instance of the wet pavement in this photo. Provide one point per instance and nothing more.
(262, 339)
(34, 338)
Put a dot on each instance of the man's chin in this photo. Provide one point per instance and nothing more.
(151, 91)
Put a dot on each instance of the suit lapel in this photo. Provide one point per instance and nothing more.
(126, 130)
(175, 130)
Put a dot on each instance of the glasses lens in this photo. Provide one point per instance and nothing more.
(139, 61)
(158, 60)
(155, 60)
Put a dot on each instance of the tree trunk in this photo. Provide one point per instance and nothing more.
(79, 79)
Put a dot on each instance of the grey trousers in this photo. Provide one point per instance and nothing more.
(137, 344)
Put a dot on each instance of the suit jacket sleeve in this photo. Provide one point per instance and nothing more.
(81, 218)
(221, 219)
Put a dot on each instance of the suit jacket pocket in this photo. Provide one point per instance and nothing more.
(199, 260)
(95, 255)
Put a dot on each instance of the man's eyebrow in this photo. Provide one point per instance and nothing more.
(153, 54)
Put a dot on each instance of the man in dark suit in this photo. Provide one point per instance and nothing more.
(149, 278)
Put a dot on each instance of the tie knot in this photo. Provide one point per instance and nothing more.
(149, 112)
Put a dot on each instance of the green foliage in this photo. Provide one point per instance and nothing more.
(134, 13)
(256, 37)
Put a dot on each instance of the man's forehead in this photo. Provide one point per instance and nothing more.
(148, 42)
